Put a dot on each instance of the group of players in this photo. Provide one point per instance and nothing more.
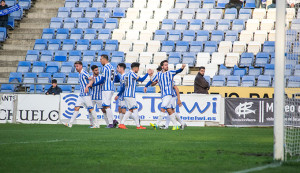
(98, 90)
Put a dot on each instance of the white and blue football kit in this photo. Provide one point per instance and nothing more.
(121, 100)
(109, 85)
(174, 97)
(84, 99)
(96, 93)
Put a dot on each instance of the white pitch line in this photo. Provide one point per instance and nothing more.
(31, 142)
(272, 165)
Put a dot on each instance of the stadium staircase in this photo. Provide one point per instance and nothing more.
(26, 31)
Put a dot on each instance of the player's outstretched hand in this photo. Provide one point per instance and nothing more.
(183, 66)
(179, 103)
(86, 90)
(145, 89)
(150, 72)
(117, 97)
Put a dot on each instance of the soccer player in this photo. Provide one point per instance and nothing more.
(128, 88)
(165, 81)
(122, 106)
(107, 80)
(84, 98)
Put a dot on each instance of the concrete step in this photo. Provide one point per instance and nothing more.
(4, 80)
(43, 10)
(42, 15)
(35, 20)
(12, 57)
(34, 25)
(20, 42)
(14, 36)
(5, 74)
(47, 4)
(8, 69)
(9, 63)
(54, 1)
(17, 47)
(13, 52)
(26, 31)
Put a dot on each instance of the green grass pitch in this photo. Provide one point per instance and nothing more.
(55, 148)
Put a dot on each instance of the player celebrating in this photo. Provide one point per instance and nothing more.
(84, 98)
(165, 81)
(128, 88)
(122, 106)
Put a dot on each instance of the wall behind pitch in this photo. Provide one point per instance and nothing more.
(6, 108)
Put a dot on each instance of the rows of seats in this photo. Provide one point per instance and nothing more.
(79, 12)
(83, 23)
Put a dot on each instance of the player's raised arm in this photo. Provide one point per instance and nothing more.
(121, 91)
(181, 69)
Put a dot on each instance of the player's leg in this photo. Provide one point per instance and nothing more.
(105, 116)
(78, 105)
(89, 106)
(172, 118)
(106, 97)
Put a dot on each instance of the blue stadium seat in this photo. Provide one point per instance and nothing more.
(54, 44)
(230, 13)
(104, 34)
(98, 3)
(269, 46)
(15, 77)
(250, 4)
(111, 23)
(208, 4)
(239, 71)
(160, 35)
(67, 67)
(29, 77)
(216, 14)
(66, 88)
(52, 67)
(82, 44)
(269, 70)
(189, 58)
(167, 46)
(112, 3)
(125, 3)
(10, 2)
(40, 44)
(209, 25)
(231, 36)
(60, 55)
(196, 4)
(2, 34)
(98, 23)
(77, 12)
(174, 35)
(167, 24)
(111, 45)
(141, 90)
(108, 53)
(32, 55)
(207, 78)
(48, 33)
(46, 88)
(84, 3)
(60, 77)
(63, 12)
(254, 71)
(117, 57)
(222, 3)
(17, 15)
(91, 12)
(71, 3)
(238, 25)
(174, 13)
(83, 23)
(196, 46)
(69, 23)
(74, 55)
(210, 46)
(36, 89)
(24, 66)
(68, 44)
(62, 33)
(181, 24)
(6, 88)
(245, 14)
(262, 59)
(181, 3)
(288, 70)
(246, 59)
(233, 81)
(77, 89)
(218, 81)
(223, 25)
(248, 81)
(202, 35)
(195, 24)
(105, 13)
(293, 82)
(296, 47)
(224, 71)
(118, 12)
(44, 78)
(76, 34)
(217, 36)
(182, 46)
(264, 81)
(297, 70)
(174, 58)
(290, 36)
(46, 55)
(56, 22)
(89, 56)
(96, 45)
(90, 34)
(188, 35)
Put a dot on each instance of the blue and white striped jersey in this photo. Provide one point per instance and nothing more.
(122, 82)
(174, 91)
(130, 79)
(83, 81)
(96, 91)
(165, 81)
(109, 74)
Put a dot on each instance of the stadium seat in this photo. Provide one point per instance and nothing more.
(233, 81)
(202, 59)
(70, 3)
(297, 70)
(48, 33)
(139, 24)
(29, 78)
(105, 13)
(17, 15)
(238, 25)
(2, 34)
(153, 46)
(108, 53)
(132, 57)
(132, 35)
(88, 56)
(24, 66)
(174, 35)
(209, 25)
(160, 35)
(91, 12)
(111, 45)
(38, 89)
(40, 44)
(96, 45)
(146, 13)
(208, 4)
(145, 57)
(252, 25)
(262, 59)
(195, 24)
(188, 14)
(223, 25)
(269, 46)
(67, 67)
(260, 36)
(77, 12)
(167, 24)
(254, 47)
(196, 4)
(222, 3)
(174, 58)
(139, 46)
(248, 81)
(83, 23)
(68, 44)
(231, 36)
(181, 3)
(269, 70)
(232, 59)
(104, 34)
(295, 24)
(74, 55)
(38, 67)
(98, 23)
(15, 77)
(202, 13)
(210, 46)
(90, 34)
(293, 82)
(182, 46)
(60, 56)
(140, 4)
(52, 67)
(211, 70)
(56, 22)
(250, 4)
(82, 44)
(202, 35)
(32, 55)
(167, 46)
(118, 12)
(63, 12)
(125, 3)
(267, 24)
(158, 57)
(111, 3)
(54, 44)
(224, 71)
(246, 59)
(259, 13)
(5, 88)
(132, 13)
(46, 55)
(174, 13)
(188, 80)
(62, 33)
(125, 23)
(245, 14)
(239, 47)
(288, 70)
(225, 47)
(196, 46)
(246, 36)
(154, 4)
(66, 88)
(76, 34)
(125, 45)
(181, 24)
(189, 58)
(44, 78)
(239, 71)
(117, 57)
(217, 58)
(218, 81)
(69, 23)
(254, 71)
(10, 2)
(216, 14)
(146, 35)
(152, 25)
(217, 36)
(118, 34)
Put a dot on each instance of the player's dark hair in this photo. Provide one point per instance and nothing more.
(162, 63)
(54, 81)
(94, 67)
(104, 56)
(135, 64)
(78, 62)
(159, 68)
(122, 65)
(200, 68)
